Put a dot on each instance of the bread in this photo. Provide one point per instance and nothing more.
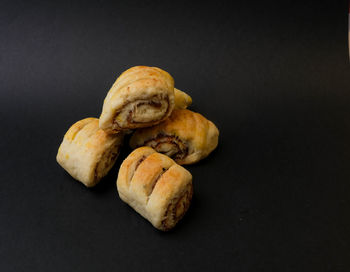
(87, 152)
(141, 96)
(155, 186)
(182, 99)
(185, 136)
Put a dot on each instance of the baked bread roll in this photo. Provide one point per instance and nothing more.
(182, 99)
(185, 136)
(87, 152)
(141, 96)
(155, 186)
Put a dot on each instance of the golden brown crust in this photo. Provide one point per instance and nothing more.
(185, 136)
(141, 96)
(87, 153)
(182, 99)
(155, 186)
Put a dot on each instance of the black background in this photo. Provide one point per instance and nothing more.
(274, 77)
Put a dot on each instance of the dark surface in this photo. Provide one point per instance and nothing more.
(275, 194)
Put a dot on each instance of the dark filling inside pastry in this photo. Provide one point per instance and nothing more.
(141, 111)
(177, 208)
(106, 162)
(170, 145)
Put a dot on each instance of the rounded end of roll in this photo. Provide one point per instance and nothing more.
(177, 209)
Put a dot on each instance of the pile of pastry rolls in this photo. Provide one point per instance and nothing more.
(166, 135)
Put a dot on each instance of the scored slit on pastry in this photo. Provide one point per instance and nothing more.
(131, 166)
(135, 168)
(148, 173)
(139, 162)
(154, 182)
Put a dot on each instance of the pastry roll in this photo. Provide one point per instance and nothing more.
(185, 136)
(87, 152)
(182, 99)
(155, 186)
(141, 96)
